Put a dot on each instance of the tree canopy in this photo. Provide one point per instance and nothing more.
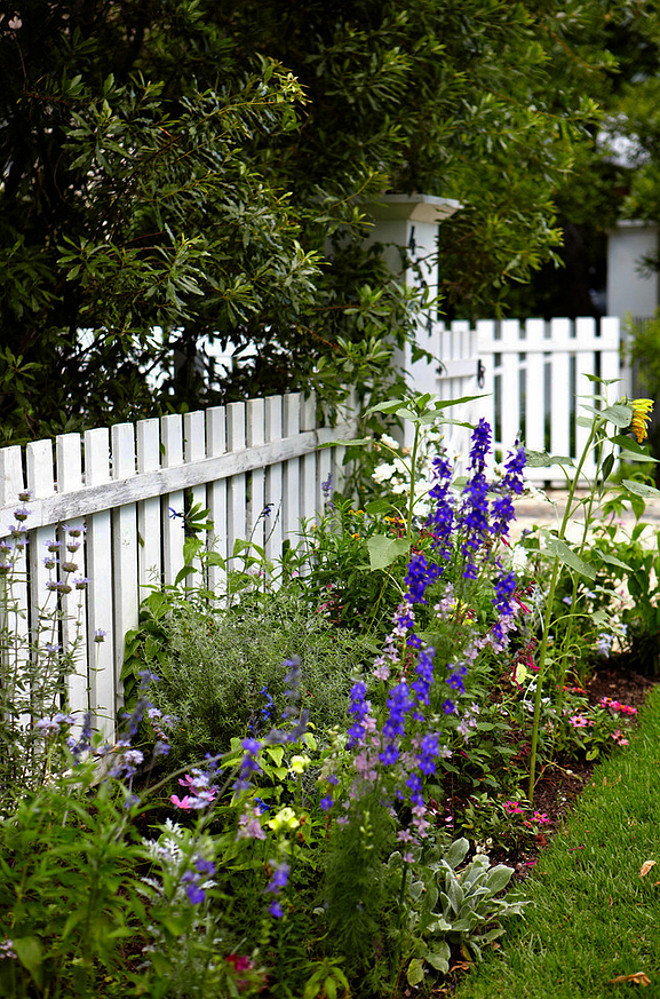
(189, 168)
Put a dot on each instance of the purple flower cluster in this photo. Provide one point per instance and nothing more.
(278, 880)
(467, 529)
(360, 709)
(195, 880)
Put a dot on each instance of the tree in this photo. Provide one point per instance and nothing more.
(197, 167)
(616, 173)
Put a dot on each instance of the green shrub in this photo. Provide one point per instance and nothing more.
(222, 673)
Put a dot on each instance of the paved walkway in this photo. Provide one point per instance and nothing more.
(549, 513)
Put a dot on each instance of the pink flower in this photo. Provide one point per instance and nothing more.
(249, 826)
(513, 808)
(183, 803)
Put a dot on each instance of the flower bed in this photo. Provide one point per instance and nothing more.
(317, 773)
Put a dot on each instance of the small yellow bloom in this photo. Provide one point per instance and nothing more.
(299, 764)
(641, 416)
(284, 821)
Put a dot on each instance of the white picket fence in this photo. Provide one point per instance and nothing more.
(122, 492)
(532, 375)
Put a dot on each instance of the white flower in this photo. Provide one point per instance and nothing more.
(389, 442)
(383, 472)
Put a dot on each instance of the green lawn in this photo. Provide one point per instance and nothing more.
(593, 917)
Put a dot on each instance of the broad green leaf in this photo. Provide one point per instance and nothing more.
(630, 445)
(445, 403)
(559, 548)
(608, 465)
(541, 459)
(30, 953)
(455, 894)
(457, 852)
(415, 972)
(377, 506)
(612, 560)
(276, 753)
(499, 877)
(618, 414)
(349, 442)
(641, 489)
(439, 957)
(384, 550)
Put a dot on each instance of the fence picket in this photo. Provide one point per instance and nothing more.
(194, 449)
(561, 399)
(100, 600)
(124, 547)
(74, 614)
(291, 482)
(173, 504)
(216, 445)
(273, 426)
(148, 510)
(534, 408)
(237, 485)
(255, 431)
(14, 609)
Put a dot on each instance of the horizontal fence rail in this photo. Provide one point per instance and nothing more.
(111, 502)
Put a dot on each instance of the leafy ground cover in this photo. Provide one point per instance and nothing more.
(334, 778)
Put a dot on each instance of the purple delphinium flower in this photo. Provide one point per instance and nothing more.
(278, 880)
(249, 764)
(192, 879)
(502, 510)
(424, 669)
(360, 709)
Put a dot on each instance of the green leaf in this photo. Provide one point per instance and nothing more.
(30, 953)
(457, 852)
(641, 489)
(498, 877)
(376, 507)
(384, 550)
(612, 560)
(630, 445)
(555, 546)
(415, 972)
(439, 957)
(618, 414)
(541, 459)
(608, 465)
(276, 754)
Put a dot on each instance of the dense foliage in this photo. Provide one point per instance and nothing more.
(189, 169)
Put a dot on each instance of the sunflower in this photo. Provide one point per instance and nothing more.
(641, 415)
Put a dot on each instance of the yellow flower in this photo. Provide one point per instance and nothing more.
(641, 415)
(284, 821)
(299, 764)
